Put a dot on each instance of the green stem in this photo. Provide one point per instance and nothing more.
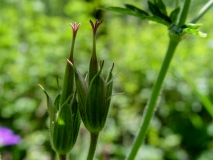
(184, 13)
(93, 144)
(62, 157)
(153, 100)
(158, 85)
(202, 11)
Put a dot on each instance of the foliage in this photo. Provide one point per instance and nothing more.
(35, 43)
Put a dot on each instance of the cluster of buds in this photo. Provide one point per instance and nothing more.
(80, 99)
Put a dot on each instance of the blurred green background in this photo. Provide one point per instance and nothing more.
(35, 39)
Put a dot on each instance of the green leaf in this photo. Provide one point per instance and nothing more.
(160, 4)
(138, 14)
(138, 10)
(155, 19)
(174, 14)
(193, 26)
(155, 11)
(120, 10)
(195, 32)
(75, 116)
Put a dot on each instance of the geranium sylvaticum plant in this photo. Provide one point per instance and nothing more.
(87, 98)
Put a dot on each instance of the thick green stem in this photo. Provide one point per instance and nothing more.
(93, 144)
(158, 85)
(202, 11)
(62, 157)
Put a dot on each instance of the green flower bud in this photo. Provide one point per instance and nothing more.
(94, 100)
(96, 103)
(68, 84)
(64, 112)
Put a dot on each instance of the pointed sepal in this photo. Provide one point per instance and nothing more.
(96, 103)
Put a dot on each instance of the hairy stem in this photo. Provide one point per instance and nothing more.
(93, 144)
(157, 87)
(153, 100)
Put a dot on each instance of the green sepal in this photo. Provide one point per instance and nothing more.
(93, 68)
(57, 103)
(109, 89)
(50, 105)
(68, 83)
(174, 14)
(66, 127)
(62, 132)
(96, 104)
(76, 119)
(157, 12)
(82, 91)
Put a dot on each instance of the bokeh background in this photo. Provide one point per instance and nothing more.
(35, 39)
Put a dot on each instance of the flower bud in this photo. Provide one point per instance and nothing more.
(94, 102)
(68, 84)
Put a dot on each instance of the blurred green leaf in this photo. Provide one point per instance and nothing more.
(157, 12)
(120, 10)
(195, 32)
(193, 26)
(160, 4)
(138, 10)
(137, 13)
(174, 14)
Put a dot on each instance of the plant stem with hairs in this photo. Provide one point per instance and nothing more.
(157, 88)
(173, 43)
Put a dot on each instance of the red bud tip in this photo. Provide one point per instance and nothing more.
(75, 27)
(96, 25)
